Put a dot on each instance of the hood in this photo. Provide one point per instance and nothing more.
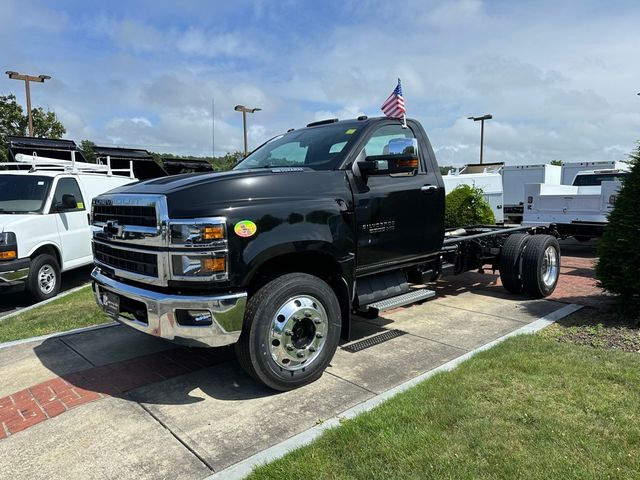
(210, 194)
(9, 221)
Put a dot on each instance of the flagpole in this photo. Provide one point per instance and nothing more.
(404, 120)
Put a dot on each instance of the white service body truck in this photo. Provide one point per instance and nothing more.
(580, 210)
(44, 220)
(570, 170)
(515, 177)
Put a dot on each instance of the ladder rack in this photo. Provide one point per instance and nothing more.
(38, 163)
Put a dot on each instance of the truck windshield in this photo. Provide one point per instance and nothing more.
(594, 179)
(319, 148)
(23, 194)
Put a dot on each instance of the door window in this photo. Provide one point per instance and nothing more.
(68, 186)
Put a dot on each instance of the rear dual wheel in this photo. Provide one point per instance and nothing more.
(531, 264)
(291, 331)
(541, 265)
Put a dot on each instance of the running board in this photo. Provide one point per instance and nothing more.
(374, 309)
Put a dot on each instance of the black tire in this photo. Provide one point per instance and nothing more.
(45, 266)
(541, 266)
(264, 318)
(509, 263)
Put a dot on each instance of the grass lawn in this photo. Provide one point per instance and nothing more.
(75, 310)
(533, 407)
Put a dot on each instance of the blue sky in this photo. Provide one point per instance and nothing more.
(559, 77)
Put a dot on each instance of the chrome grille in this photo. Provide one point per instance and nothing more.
(136, 215)
(133, 261)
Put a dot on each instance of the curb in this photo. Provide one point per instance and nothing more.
(44, 302)
(57, 334)
(245, 467)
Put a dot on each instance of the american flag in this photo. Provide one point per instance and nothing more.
(393, 106)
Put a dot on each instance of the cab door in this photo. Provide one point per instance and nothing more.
(72, 222)
(399, 217)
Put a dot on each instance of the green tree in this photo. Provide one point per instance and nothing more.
(556, 162)
(87, 149)
(465, 205)
(45, 124)
(13, 121)
(226, 162)
(618, 267)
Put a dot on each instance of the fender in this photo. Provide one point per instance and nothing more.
(55, 246)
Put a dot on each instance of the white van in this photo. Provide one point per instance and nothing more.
(44, 220)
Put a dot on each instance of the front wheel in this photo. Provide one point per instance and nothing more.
(44, 277)
(291, 331)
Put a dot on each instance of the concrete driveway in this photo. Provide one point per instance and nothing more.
(114, 403)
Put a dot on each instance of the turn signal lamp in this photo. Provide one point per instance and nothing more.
(213, 265)
(212, 232)
(413, 163)
(8, 255)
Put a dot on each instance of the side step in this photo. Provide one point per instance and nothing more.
(374, 309)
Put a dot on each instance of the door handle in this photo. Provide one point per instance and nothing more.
(429, 188)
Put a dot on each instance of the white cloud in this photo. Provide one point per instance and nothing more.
(559, 77)
(455, 13)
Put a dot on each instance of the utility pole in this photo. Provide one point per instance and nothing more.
(481, 120)
(27, 79)
(213, 128)
(245, 110)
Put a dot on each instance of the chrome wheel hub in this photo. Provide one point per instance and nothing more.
(46, 279)
(550, 266)
(298, 332)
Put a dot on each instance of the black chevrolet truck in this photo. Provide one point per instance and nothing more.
(274, 256)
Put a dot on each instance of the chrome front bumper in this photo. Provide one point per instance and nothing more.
(14, 272)
(227, 312)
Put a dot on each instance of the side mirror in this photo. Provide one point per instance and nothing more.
(400, 157)
(69, 202)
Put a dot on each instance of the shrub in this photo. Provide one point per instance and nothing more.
(618, 267)
(465, 205)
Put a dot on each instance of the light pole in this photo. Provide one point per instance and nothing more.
(481, 120)
(245, 110)
(27, 79)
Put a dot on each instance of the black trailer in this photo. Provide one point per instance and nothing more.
(177, 166)
(59, 149)
(144, 165)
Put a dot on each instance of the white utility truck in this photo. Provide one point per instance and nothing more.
(483, 176)
(44, 219)
(515, 177)
(570, 170)
(579, 210)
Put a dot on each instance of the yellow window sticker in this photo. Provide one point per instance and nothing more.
(351, 131)
(80, 205)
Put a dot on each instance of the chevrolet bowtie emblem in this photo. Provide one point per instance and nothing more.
(112, 229)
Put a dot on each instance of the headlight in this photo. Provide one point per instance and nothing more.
(8, 246)
(7, 238)
(195, 233)
(204, 266)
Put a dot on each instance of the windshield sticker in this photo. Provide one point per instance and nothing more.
(245, 228)
(40, 183)
(80, 205)
(351, 131)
